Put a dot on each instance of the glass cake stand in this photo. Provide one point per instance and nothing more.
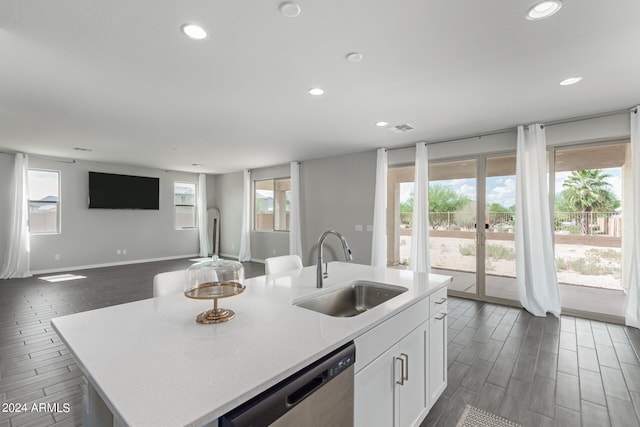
(214, 279)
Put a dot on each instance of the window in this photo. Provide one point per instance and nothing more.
(184, 199)
(272, 199)
(44, 201)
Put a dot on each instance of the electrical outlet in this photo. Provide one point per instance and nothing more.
(57, 257)
(118, 251)
(124, 252)
(369, 227)
(358, 227)
(274, 251)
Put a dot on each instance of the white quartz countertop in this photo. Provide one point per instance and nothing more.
(153, 365)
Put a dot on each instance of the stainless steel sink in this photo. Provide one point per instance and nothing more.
(351, 300)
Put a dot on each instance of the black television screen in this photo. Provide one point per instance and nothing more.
(111, 191)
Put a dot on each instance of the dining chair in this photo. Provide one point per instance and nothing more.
(278, 264)
(171, 282)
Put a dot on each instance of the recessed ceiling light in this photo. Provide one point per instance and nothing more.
(382, 124)
(196, 165)
(290, 9)
(354, 57)
(82, 149)
(543, 9)
(175, 150)
(194, 32)
(570, 81)
(316, 91)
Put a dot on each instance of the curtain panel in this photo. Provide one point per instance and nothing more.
(379, 237)
(203, 232)
(245, 231)
(420, 261)
(631, 239)
(295, 233)
(536, 276)
(17, 260)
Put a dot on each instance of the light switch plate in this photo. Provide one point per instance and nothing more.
(358, 227)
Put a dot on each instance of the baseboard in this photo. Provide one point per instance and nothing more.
(110, 264)
(261, 261)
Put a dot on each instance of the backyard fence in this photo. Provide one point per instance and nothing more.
(573, 223)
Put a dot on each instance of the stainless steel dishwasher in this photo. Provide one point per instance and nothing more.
(317, 396)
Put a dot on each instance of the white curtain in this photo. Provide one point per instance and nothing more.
(245, 233)
(203, 232)
(535, 264)
(16, 262)
(379, 238)
(420, 261)
(631, 238)
(295, 233)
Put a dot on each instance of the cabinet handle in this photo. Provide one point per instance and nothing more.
(441, 301)
(442, 316)
(405, 374)
(401, 382)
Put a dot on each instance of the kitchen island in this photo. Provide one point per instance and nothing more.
(149, 363)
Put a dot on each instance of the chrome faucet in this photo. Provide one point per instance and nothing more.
(347, 254)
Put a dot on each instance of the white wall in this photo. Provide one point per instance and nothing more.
(92, 236)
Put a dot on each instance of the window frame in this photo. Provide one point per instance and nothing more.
(58, 203)
(254, 205)
(194, 205)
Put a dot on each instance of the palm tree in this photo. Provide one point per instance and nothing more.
(587, 191)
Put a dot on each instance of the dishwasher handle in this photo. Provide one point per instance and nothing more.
(306, 389)
(273, 403)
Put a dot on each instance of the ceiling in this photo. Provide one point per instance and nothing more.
(118, 77)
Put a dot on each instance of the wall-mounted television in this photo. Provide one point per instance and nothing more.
(112, 191)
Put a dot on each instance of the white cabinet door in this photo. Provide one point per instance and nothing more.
(376, 403)
(414, 397)
(437, 355)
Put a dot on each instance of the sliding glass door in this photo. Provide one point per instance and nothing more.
(589, 227)
(453, 225)
(499, 240)
(478, 254)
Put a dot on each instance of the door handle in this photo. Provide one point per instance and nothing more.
(402, 368)
(441, 301)
(405, 374)
(442, 316)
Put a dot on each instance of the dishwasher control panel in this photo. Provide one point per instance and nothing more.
(341, 365)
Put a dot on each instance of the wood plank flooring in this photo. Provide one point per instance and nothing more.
(35, 366)
(538, 371)
(535, 371)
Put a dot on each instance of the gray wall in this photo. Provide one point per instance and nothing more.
(581, 131)
(228, 199)
(92, 236)
(338, 193)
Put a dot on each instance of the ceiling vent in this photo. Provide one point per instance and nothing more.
(401, 128)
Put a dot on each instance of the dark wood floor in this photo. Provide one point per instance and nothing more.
(536, 371)
(35, 366)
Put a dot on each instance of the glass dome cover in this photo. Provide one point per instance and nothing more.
(213, 279)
